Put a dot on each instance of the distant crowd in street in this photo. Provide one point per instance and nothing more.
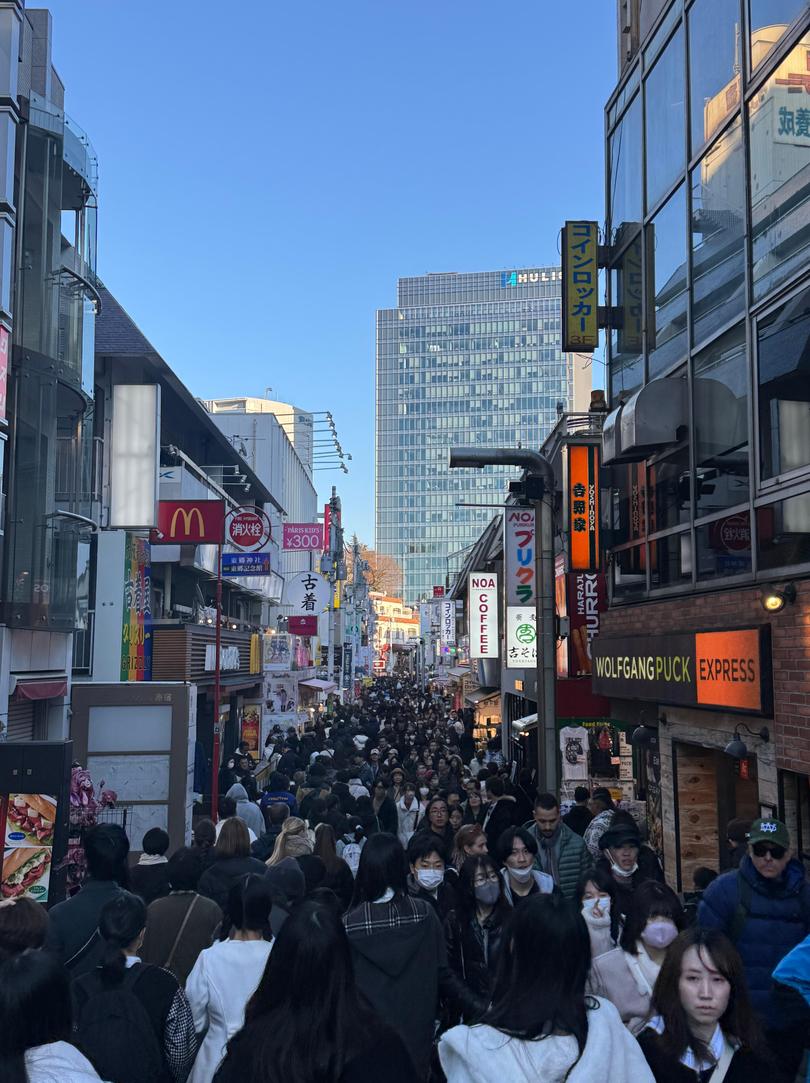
(398, 904)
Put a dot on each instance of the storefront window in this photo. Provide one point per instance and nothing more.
(629, 575)
(720, 398)
(784, 533)
(666, 270)
(770, 19)
(665, 119)
(625, 173)
(724, 547)
(669, 489)
(670, 560)
(626, 367)
(780, 171)
(784, 387)
(718, 230)
(714, 66)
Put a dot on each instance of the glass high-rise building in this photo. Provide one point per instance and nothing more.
(464, 359)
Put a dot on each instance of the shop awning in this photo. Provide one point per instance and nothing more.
(459, 671)
(480, 694)
(45, 687)
(520, 725)
(320, 686)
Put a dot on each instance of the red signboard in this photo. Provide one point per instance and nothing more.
(302, 626)
(438, 592)
(189, 522)
(302, 537)
(587, 600)
(248, 529)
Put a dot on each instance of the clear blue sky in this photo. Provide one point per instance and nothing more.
(269, 169)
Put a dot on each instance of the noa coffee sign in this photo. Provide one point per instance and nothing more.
(248, 529)
(729, 669)
(482, 595)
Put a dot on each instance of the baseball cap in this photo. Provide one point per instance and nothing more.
(770, 831)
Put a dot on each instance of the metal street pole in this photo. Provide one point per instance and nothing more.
(217, 691)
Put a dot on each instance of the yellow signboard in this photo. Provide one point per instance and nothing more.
(580, 293)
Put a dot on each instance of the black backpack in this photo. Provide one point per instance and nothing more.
(114, 1031)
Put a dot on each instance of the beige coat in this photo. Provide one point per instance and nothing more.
(624, 979)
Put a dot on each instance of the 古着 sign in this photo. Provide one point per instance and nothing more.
(521, 637)
(580, 291)
(308, 594)
(519, 551)
(730, 670)
(482, 594)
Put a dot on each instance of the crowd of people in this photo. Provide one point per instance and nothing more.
(399, 905)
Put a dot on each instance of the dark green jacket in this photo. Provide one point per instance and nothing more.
(574, 861)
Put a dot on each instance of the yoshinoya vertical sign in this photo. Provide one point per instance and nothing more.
(519, 550)
(136, 624)
(482, 594)
(580, 294)
(447, 630)
(587, 600)
(521, 637)
(583, 507)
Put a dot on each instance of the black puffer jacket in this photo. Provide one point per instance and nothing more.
(217, 881)
(473, 951)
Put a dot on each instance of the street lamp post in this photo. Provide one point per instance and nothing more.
(535, 466)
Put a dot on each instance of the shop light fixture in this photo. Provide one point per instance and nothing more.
(737, 747)
(775, 599)
(642, 735)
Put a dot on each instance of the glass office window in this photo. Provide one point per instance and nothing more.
(783, 351)
(714, 66)
(671, 560)
(665, 119)
(724, 547)
(783, 531)
(625, 173)
(769, 20)
(666, 269)
(718, 228)
(628, 508)
(720, 398)
(669, 491)
(780, 172)
(629, 574)
(627, 369)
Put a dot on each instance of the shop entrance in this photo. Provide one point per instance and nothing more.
(710, 788)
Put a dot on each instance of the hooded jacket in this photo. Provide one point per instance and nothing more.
(246, 810)
(573, 862)
(545, 884)
(481, 1054)
(777, 918)
(400, 962)
(58, 1062)
(407, 818)
(498, 816)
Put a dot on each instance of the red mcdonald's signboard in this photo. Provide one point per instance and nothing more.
(189, 522)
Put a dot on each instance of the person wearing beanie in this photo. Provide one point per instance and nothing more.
(737, 839)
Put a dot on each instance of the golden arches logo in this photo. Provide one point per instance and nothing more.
(188, 519)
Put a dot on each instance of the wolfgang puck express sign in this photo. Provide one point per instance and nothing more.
(729, 670)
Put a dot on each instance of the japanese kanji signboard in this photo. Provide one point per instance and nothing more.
(519, 549)
(248, 529)
(521, 637)
(583, 507)
(307, 593)
(580, 293)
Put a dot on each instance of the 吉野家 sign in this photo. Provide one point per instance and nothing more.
(248, 529)
(302, 537)
(728, 669)
(583, 507)
(521, 637)
(580, 293)
(307, 593)
(482, 594)
(189, 522)
(519, 553)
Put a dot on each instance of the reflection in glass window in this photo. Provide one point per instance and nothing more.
(783, 531)
(668, 486)
(665, 119)
(784, 387)
(780, 171)
(629, 575)
(769, 21)
(625, 173)
(724, 546)
(714, 66)
(666, 271)
(670, 560)
(718, 226)
(628, 509)
(627, 372)
(720, 398)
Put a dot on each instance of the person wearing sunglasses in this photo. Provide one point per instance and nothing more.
(764, 909)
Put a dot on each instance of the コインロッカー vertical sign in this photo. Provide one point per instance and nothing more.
(580, 286)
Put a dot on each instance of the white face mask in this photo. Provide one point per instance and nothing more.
(625, 874)
(430, 878)
(521, 875)
(591, 918)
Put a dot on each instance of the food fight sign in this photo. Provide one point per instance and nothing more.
(519, 548)
(482, 596)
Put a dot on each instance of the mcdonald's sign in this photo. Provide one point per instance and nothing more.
(189, 522)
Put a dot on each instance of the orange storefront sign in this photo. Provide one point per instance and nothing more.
(728, 669)
(583, 507)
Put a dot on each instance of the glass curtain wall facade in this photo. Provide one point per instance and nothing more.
(708, 204)
(465, 359)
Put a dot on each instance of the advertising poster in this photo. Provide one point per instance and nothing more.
(252, 724)
(30, 821)
(587, 600)
(136, 621)
(276, 649)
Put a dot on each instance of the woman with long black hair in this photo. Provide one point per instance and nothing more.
(133, 1020)
(540, 1023)
(306, 1022)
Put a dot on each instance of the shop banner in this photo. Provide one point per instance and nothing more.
(521, 637)
(587, 600)
(447, 628)
(482, 595)
(302, 626)
(519, 554)
(302, 537)
(189, 522)
(307, 594)
(730, 670)
(277, 653)
(136, 623)
(251, 729)
(580, 293)
(347, 668)
(27, 822)
(583, 508)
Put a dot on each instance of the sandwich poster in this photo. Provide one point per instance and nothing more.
(30, 821)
